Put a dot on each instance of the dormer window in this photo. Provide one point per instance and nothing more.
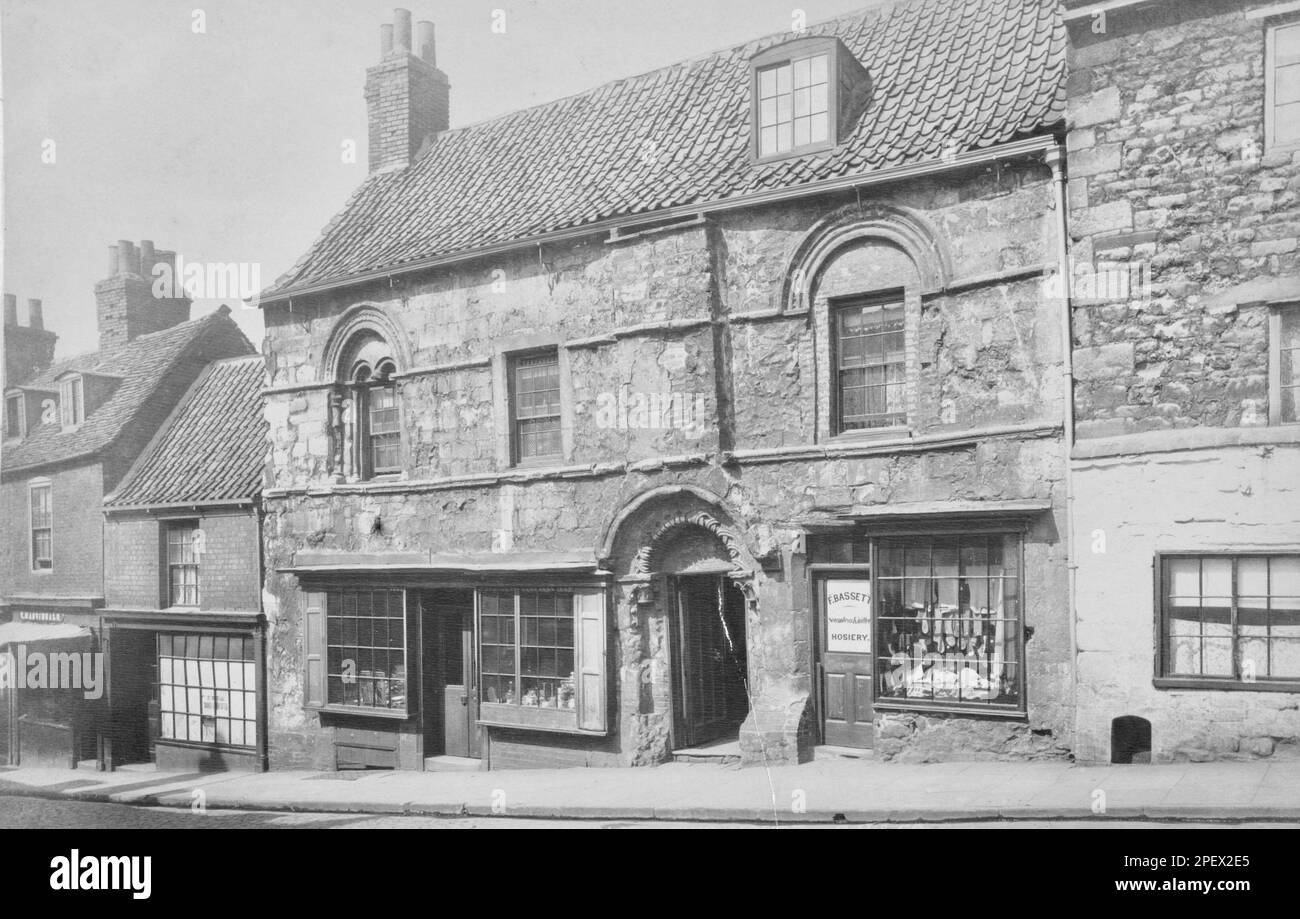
(15, 412)
(72, 402)
(792, 107)
(807, 96)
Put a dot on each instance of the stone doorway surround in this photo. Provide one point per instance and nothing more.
(674, 531)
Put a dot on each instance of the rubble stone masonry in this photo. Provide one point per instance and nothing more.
(1169, 172)
(705, 314)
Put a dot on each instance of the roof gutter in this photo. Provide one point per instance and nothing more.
(1017, 149)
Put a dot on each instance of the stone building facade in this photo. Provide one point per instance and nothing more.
(591, 488)
(1183, 181)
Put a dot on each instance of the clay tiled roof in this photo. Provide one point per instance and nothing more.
(948, 75)
(213, 448)
(145, 368)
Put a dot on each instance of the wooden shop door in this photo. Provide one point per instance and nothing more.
(450, 674)
(845, 665)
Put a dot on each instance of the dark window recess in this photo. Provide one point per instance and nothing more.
(14, 416)
(836, 549)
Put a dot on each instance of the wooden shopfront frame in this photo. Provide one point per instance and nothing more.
(871, 532)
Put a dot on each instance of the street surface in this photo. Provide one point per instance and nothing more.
(20, 812)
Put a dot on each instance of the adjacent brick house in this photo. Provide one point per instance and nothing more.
(1183, 151)
(182, 624)
(72, 430)
(717, 403)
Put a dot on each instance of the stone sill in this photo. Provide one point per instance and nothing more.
(1226, 685)
(1184, 439)
(898, 708)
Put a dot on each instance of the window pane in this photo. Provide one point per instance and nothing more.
(1286, 123)
(1287, 44)
(1286, 85)
(819, 68)
(802, 73)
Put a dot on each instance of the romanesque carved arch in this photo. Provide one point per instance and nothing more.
(647, 558)
(901, 227)
(356, 321)
(665, 509)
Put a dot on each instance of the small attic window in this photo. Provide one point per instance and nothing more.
(14, 412)
(72, 402)
(807, 96)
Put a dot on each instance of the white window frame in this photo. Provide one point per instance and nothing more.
(72, 402)
(1275, 361)
(22, 416)
(32, 486)
(1270, 76)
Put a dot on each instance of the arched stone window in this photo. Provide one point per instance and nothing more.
(364, 357)
(862, 274)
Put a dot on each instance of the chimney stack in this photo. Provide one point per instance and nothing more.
(401, 31)
(125, 303)
(28, 349)
(424, 43)
(408, 99)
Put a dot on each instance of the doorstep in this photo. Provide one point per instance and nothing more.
(725, 751)
(452, 764)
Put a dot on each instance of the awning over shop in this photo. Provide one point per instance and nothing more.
(420, 562)
(925, 512)
(30, 633)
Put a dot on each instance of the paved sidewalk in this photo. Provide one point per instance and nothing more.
(823, 791)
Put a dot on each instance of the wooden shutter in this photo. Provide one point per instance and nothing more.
(589, 609)
(313, 640)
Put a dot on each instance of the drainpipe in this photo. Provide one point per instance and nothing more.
(1055, 158)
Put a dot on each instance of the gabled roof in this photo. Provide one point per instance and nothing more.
(212, 448)
(948, 75)
(145, 365)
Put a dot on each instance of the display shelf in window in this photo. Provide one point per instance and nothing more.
(541, 654)
(948, 620)
(365, 653)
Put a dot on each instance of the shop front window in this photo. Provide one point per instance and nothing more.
(366, 649)
(948, 620)
(542, 658)
(528, 648)
(207, 689)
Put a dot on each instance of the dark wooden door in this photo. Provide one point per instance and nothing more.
(846, 660)
(711, 657)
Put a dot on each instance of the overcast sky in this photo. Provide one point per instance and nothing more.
(226, 145)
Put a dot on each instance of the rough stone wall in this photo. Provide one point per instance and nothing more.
(665, 314)
(1235, 497)
(1169, 174)
(1168, 168)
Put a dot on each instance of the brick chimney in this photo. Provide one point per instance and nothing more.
(407, 96)
(126, 305)
(28, 349)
